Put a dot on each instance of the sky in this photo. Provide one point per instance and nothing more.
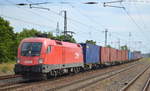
(88, 21)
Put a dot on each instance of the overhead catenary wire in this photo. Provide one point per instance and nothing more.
(29, 22)
(141, 19)
(132, 19)
(76, 21)
(59, 15)
(139, 28)
(140, 16)
(24, 21)
(72, 27)
(37, 14)
(34, 13)
(52, 11)
(87, 17)
(90, 19)
(70, 18)
(55, 12)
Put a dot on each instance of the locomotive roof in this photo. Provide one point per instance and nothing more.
(52, 42)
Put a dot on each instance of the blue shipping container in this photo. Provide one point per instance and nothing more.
(129, 55)
(91, 53)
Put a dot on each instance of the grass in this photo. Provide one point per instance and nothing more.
(7, 68)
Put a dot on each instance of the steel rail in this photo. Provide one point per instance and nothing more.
(134, 79)
(146, 85)
(95, 78)
(9, 76)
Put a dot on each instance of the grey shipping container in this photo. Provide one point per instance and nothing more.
(91, 53)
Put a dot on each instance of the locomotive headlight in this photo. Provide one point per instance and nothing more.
(18, 60)
(40, 60)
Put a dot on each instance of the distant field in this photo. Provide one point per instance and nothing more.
(7, 68)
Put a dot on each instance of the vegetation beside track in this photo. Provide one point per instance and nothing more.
(146, 59)
(7, 68)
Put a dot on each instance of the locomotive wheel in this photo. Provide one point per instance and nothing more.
(55, 73)
(44, 76)
(76, 70)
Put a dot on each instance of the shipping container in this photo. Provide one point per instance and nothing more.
(116, 51)
(122, 55)
(105, 55)
(129, 55)
(112, 55)
(91, 53)
(119, 55)
(136, 54)
(126, 55)
(132, 55)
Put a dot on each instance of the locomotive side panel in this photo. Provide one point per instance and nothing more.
(54, 55)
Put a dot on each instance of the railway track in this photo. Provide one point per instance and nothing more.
(9, 80)
(146, 86)
(21, 86)
(9, 76)
(82, 83)
(128, 86)
(25, 83)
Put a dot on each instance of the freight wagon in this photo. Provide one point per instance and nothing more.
(137, 55)
(130, 54)
(113, 55)
(91, 55)
(105, 55)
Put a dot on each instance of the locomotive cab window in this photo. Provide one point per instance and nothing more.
(48, 49)
(31, 49)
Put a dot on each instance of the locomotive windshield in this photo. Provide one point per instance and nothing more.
(31, 49)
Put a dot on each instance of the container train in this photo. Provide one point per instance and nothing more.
(43, 57)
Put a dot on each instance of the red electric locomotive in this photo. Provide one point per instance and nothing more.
(43, 57)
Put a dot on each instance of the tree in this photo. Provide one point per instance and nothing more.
(66, 38)
(50, 35)
(125, 47)
(7, 38)
(27, 33)
(109, 46)
(91, 42)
